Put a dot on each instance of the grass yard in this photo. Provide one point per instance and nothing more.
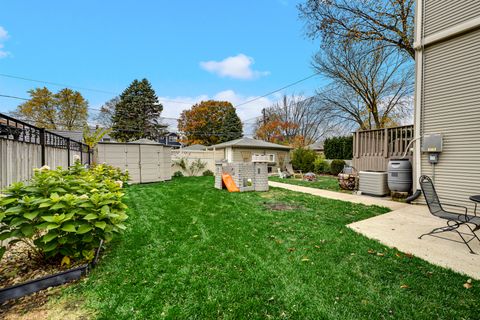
(323, 182)
(194, 252)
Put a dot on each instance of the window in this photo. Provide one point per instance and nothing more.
(246, 156)
(172, 139)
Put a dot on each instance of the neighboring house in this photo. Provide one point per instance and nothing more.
(195, 147)
(447, 96)
(317, 147)
(171, 139)
(77, 135)
(241, 150)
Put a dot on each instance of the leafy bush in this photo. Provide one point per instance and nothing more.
(336, 167)
(339, 148)
(64, 212)
(207, 173)
(303, 159)
(178, 174)
(321, 166)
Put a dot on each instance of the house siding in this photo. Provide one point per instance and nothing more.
(450, 100)
(443, 14)
(238, 156)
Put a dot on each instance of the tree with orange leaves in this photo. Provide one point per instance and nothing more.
(210, 122)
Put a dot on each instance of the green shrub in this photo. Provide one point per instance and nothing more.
(303, 159)
(207, 173)
(178, 174)
(336, 167)
(321, 166)
(339, 148)
(64, 212)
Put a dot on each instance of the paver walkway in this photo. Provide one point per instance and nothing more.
(401, 227)
(392, 205)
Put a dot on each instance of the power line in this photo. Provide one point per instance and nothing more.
(54, 83)
(277, 90)
(164, 100)
(76, 87)
(13, 97)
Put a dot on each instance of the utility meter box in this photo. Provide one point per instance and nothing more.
(432, 142)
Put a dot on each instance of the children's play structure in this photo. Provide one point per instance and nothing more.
(242, 176)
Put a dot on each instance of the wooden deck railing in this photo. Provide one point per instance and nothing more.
(372, 149)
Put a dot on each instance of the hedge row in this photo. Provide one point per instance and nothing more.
(339, 148)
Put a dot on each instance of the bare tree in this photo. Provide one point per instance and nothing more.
(293, 120)
(104, 117)
(388, 22)
(371, 85)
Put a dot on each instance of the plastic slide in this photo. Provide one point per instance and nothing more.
(229, 183)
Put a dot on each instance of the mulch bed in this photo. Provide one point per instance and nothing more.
(18, 265)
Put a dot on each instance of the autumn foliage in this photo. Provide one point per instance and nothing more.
(210, 122)
(67, 109)
(274, 129)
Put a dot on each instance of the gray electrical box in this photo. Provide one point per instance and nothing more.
(432, 142)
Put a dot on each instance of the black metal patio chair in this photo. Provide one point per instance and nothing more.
(454, 220)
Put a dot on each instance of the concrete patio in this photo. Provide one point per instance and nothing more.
(401, 227)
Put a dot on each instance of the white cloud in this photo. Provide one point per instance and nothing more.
(3, 53)
(3, 33)
(173, 106)
(236, 67)
(3, 37)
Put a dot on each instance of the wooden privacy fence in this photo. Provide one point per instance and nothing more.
(24, 147)
(372, 149)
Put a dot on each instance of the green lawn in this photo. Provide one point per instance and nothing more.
(323, 182)
(194, 252)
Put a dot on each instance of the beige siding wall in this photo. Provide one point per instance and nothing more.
(144, 162)
(451, 106)
(443, 14)
(448, 94)
(245, 155)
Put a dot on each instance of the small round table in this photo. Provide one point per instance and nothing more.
(476, 199)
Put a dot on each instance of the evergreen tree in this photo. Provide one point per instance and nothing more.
(137, 113)
(232, 126)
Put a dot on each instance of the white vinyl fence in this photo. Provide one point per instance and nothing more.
(24, 147)
(207, 157)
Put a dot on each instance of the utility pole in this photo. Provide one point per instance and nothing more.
(264, 113)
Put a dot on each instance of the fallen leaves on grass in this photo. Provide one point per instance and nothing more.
(468, 284)
(404, 286)
(305, 259)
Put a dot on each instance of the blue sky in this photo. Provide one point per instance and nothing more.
(189, 50)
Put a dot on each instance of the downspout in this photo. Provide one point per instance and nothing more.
(419, 80)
